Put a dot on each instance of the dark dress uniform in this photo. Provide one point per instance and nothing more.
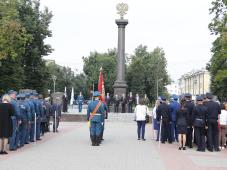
(164, 113)
(116, 104)
(123, 104)
(130, 103)
(199, 122)
(213, 110)
(189, 106)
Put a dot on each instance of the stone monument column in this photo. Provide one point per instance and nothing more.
(120, 84)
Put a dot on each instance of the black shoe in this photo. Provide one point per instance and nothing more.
(4, 153)
(217, 150)
(144, 139)
(211, 150)
(180, 148)
(39, 139)
(163, 142)
(138, 139)
(184, 148)
(1, 152)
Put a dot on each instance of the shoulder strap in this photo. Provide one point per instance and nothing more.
(95, 110)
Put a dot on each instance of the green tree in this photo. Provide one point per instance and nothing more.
(145, 69)
(92, 65)
(218, 62)
(36, 23)
(13, 36)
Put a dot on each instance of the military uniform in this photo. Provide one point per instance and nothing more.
(116, 104)
(130, 103)
(199, 122)
(213, 110)
(174, 106)
(57, 111)
(80, 101)
(25, 117)
(189, 106)
(14, 139)
(96, 120)
(123, 104)
(163, 112)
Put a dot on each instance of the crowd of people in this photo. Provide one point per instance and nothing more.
(202, 122)
(25, 117)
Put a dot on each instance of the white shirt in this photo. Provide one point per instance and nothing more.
(154, 114)
(140, 112)
(223, 117)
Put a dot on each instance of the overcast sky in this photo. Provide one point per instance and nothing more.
(180, 27)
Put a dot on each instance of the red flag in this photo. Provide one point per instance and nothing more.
(101, 87)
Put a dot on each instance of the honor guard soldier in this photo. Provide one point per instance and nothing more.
(199, 122)
(189, 105)
(130, 102)
(116, 103)
(80, 101)
(213, 111)
(108, 102)
(14, 139)
(95, 116)
(163, 114)
(123, 103)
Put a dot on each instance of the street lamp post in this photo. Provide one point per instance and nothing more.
(158, 80)
(54, 80)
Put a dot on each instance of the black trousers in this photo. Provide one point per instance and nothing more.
(189, 137)
(166, 131)
(212, 134)
(200, 137)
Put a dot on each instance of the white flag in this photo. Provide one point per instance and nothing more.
(72, 96)
(65, 92)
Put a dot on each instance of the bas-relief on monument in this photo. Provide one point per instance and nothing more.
(120, 85)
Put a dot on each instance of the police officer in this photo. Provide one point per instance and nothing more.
(95, 114)
(25, 117)
(174, 106)
(43, 116)
(213, 110)
(57, 114)
(164, 115)
(14, 139)
(189, 105)
(80, 101)
(199, 122)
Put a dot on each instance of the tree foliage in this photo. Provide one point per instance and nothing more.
(218, 62)
(92, 65)
(145, 69)
(23, 29)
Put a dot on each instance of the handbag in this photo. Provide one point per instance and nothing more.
(199, 122)
(147, 118)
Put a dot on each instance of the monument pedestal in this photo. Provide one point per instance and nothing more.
(120, 85)
(120, 88)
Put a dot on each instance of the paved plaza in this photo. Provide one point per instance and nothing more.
(70, 150)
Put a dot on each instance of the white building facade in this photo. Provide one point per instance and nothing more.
(195, 82)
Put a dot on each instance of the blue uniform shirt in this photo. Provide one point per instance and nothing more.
(80, 99)
(16, 108)
(174, 106)
(100, 111)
